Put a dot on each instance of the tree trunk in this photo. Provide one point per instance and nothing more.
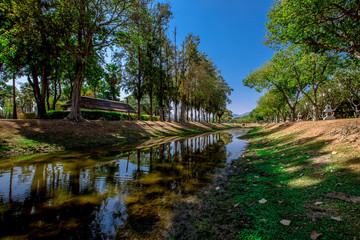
(176, 111)
(187, 113)
(315, 115)
(151, 104)
(39, 96)
(139, 109)
(56, 98)
(161, 114)
(14, 99)
(192, 114)
(169, 110)
(75, 113)
(182, 113)
(292, 114)
(48, 97)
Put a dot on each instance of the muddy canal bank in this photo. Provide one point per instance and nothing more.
(24, 137)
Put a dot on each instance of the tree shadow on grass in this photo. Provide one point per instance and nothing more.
(292, 176)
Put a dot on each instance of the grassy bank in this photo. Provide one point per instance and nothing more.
(19, 137)
(306, 173)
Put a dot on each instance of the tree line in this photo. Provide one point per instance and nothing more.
(69, 48)
(316, 61)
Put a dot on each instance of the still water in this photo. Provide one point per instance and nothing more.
(110, 193)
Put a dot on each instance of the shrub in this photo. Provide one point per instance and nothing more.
(96, 114)
(27, 116)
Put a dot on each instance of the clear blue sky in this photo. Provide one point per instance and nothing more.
(231, 33)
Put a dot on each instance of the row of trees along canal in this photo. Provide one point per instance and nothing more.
(316, 61)
(62, 48)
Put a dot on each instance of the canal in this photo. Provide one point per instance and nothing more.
(110, 193)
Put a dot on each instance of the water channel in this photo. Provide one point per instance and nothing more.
(110, 193)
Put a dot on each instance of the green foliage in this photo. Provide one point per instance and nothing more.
(96, 115)
(326, 24)
(61, 47)
(27, 116)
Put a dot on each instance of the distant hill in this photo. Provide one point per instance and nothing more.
(235, 115)
(241, 115)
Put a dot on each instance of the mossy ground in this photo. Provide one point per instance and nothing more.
(292, 174)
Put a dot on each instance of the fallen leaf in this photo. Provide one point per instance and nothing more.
(256, 176)
(342, 196)
(318, 203)
(285, 222)
(316, 187)
(236, 205)
(217, 188)
(355, 199)
(262, 201)
(338, 184)
(279, 186)
(314, 235)
(301, 175)
(334, 152)
(339, 219)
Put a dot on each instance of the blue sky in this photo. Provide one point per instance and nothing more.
(231, 33)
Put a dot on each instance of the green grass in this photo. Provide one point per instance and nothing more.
(306, 175)
(272, 162)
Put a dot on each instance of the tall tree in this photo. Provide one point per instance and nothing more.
(327, 24)
(97, 24)
(189, 59)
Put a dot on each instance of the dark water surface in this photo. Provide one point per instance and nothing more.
(110, 193)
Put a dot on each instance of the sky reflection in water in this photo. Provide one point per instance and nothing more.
(110, 193)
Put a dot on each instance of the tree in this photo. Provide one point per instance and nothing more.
(161, 17)
(35, 36)
(279, 74)
(135, 44)
(189, 60)
(97, 25)
(26, 98)
(349, 82)
(312, 71)
(327, 24)
(274, 103)
(113, 76)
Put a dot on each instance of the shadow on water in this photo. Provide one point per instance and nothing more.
(110, 193)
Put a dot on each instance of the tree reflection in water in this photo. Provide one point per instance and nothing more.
(107, 193)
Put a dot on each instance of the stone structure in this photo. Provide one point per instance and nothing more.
(329, 113)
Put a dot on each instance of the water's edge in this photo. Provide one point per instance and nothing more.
(111, 192)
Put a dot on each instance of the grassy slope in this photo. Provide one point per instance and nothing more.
(292, 166)
(34, 136)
